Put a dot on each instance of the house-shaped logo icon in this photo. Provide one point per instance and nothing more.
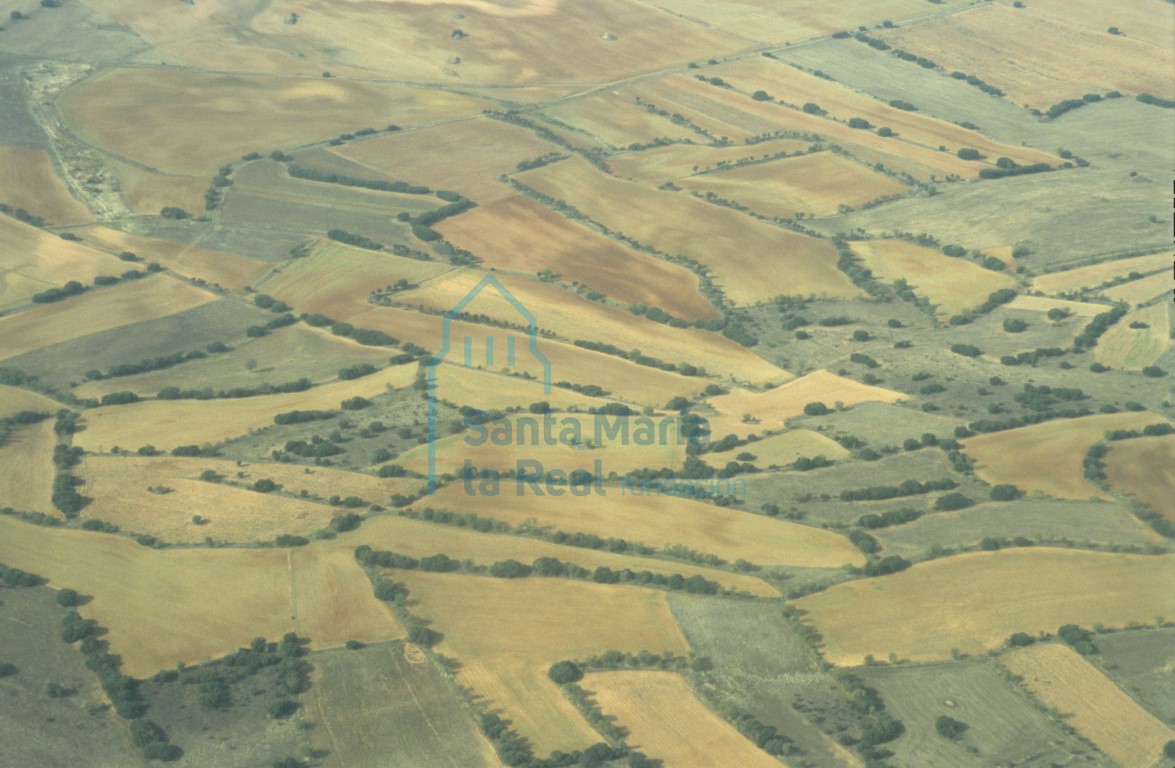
(473, 353)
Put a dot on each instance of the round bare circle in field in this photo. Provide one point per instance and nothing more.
(413, 654)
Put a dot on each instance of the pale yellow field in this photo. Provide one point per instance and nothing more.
(666, 721)
(507, 633)
(796, 87)
(217, 267)
(660, 164)
(811, 184)
(28, 180)
(147, 192)
(772, 409)
(1043, 304)
(613, 455)
(1096, 274)
(197, 121)
(1004, 254)
(452, 156)
(573, 317)
(98, 310)
(721, 121)
(1004, 45)
(489, 390)
(1147, 21)
(164, 606)
(13, 399)
(623, 379)
(1139, 291)
(335, 279)
(26, 469)
(781, 450)
(32, 261)
(1047, 457)
(618, 122)
(661, 520)
(421, 539)
(750, 260)
(1135, 348)
(1091, 703)
(287, 354)
(520, 235)
(1145, 468)
(168, 423)
(952, 285)
(974, 601)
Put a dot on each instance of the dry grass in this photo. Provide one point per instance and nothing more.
(336, 279)
(1140, 291)
(815, 184)
(573, 317)
(952, 285)
(520, 235)
(28, 180)
(1003, 46)
(772, 409)
(26, 468)
(32, 260)
(452, 156)
(164, 606)
(490, 390)
(750, 260)
(421, 539)
(1147, 21)
(195, 122)
(1043, 304)
(147, 192)
(973, 602)
(331, 600)
(1048, 457)
(781, 450)
(796, 88)
(1091, 703)
(217, 267)
(666, 721)
(95, 311)
(168, 423)
(1135, 348)
(659, 521)
(13, 399)
(1096, 274)
(1145, 468)
(287, 354)
(660, 164)
(507, 633)
(617, 122)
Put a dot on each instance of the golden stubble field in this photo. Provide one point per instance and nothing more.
(662, 520)
(26, 468)
(28, 180)
(973, 602)
(666, 721)
(782, 449)
(953, 285)
(1145, 469)
(506, 633)
(32, 260)
(1091, 703)
(97, 310)
(750, 260)
(169, 423)
(519, 235)
(1094, 275)
(1048, 457)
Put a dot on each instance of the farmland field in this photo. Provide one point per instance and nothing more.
(1047, 457)
(28, 180)
(365, 691)
(14, 399)
(95, 311)
(1140, 661)
(618, 122)
(781, 450)
(1098, 709)
(726, 533)
(26, 454)
(1136, 348)
(168, 423)
(678, 161)
(801, 264)
(951, 284)
(520, 235)
(1094, 275)
(507, 633)
(32, 261)
(1140, 291)
(923, 613)
(667, 722)
(1145, 469)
